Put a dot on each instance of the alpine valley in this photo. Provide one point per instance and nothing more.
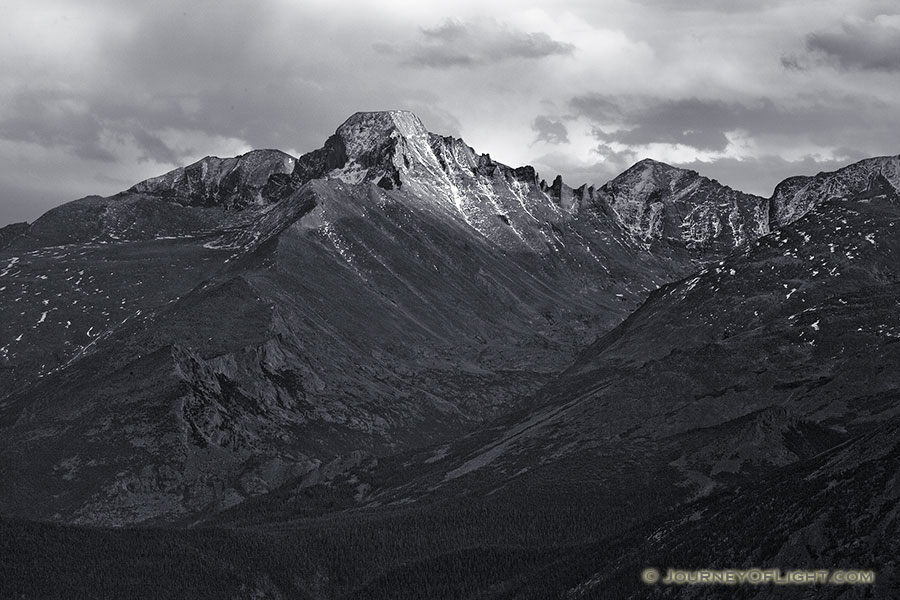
(396, 368)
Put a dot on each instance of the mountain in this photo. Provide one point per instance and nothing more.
(796, 196)
(250, 179)
(745, 391)
(211, 333)
(661, 204)
(394, 367)
(797, 328)
(742, 379)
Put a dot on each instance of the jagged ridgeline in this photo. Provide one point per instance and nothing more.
(398, 350)
(250, 318)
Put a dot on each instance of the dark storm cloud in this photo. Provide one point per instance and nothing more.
(466, 44)
(703, 124)
(868, 45)
(550, 130)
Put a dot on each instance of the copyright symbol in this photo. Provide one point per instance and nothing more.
(650, 575)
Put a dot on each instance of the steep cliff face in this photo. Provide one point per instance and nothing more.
(393, 150)
(377, 147)
(653, 202)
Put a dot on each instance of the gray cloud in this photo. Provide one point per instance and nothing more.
(550, 130)
(760, 175)
(703, 123)
(19, 202)
(867, 45)
(467, 44)
(852, 127)
(109, 93)
(793, 62)
(449, 31)
(154, 148)
(49, 118)
(197, 70)
(84, 124)
(717, 6)
(693, 122)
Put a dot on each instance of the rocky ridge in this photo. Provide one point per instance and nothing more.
(484, 282)
(397, 350)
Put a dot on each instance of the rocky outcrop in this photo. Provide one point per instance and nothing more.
(11, 232)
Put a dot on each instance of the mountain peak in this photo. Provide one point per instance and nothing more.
(363, 130)
(374, 146)
(655, 202)
(652, 163)
(796, 196)
(235, 182)
(658, 172)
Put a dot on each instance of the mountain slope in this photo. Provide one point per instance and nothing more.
(407, 370)
(759, 363)
(390, 290)
(834, 511)
(803, 319)
(772, 370)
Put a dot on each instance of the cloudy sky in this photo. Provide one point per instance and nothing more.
(99, 94)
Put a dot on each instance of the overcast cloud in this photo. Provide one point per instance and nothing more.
(861, 44)
(473, 44)
(99, 94)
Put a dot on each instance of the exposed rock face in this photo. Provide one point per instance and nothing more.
(229, 182)
(377, 147)
(796, 196)
(248, 319)
(658, 203)
(398, 338)
(768, 357)
(398, 289)
(394, 150)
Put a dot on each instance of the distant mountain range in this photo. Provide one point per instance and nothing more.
(398, 353)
